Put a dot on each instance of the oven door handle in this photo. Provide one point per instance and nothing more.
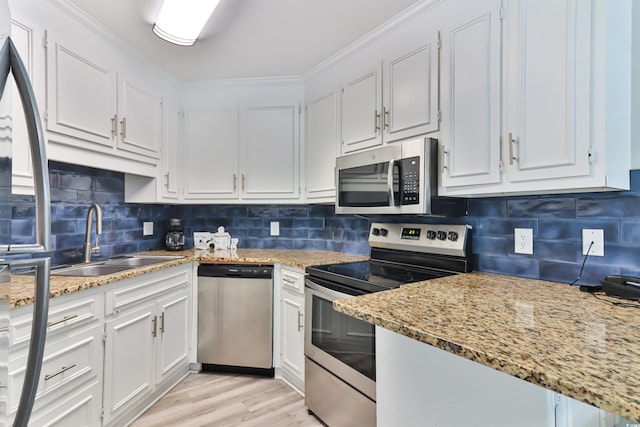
(325, 292)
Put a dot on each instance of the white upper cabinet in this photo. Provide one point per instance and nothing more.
(566, 86)
(322, 136)
(411, 90)
(397, 97)
(81, 93)
(139, 117)
(211, 154)
(361, 110)
(269, 146)
(169, 178)
(547, 87)
(470, 136)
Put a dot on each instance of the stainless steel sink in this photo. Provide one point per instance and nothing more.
(140, 260)
(113, 265)
(90, 270)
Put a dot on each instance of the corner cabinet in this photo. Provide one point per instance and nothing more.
(291, 286)
(242, 153)
(147, 335)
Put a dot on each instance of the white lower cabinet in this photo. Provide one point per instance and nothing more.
(291, 283)
(419, 385)
(146, 341)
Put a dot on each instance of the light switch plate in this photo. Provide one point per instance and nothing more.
(523, 240)
(147, 228)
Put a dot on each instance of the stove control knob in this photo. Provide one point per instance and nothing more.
(453, 236)
(384, 232)
(431, 234)
(442, 235)
(375, 231)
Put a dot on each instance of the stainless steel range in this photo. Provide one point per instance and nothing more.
(340, 362)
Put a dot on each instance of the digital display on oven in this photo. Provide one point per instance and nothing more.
(410, 233)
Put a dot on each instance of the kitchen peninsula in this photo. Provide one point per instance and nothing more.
(549, 334)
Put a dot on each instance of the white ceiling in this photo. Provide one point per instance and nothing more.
(248, 38)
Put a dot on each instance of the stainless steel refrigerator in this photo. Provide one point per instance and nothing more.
(14, 81)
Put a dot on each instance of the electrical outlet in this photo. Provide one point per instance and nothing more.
(597, 237)
(523, 240)
(275, 228)
(147, 228)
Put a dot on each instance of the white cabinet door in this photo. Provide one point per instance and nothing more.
(173, 339)
(211, 154)
(139, 117)
(270, 158)
(548, 89)
(293, 334)
(169, 178)
(470, 93)
(129, 359)
(411, 92)
(21, 165)
(322, 146)
(362, 110)
(81, 93)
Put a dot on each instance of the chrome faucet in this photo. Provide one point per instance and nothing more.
(87, 249)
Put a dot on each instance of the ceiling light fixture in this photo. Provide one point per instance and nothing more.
(180, 21)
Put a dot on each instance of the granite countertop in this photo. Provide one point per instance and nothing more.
(547, 333)
(21, 288)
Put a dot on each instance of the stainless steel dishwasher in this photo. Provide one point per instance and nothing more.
(235, 318)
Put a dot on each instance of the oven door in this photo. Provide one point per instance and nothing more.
(341, 344)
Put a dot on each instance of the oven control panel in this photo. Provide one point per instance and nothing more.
(430, 238)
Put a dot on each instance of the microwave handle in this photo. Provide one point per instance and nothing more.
(392, 200)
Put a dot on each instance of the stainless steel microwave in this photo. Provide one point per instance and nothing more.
(399, 178)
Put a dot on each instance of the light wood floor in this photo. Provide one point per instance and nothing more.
(208, 399)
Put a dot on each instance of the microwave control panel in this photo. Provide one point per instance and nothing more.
(410, 182)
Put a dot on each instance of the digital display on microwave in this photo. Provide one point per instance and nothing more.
(410, 233)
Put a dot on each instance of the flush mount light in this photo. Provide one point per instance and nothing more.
(180, 21)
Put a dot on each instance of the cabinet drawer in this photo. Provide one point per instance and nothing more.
(139, 289)
(63, 316)
(81, 409)
(292, 279)
(67, 363)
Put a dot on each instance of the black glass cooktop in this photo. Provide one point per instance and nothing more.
(372, 276)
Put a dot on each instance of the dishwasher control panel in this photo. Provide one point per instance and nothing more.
(228, 270)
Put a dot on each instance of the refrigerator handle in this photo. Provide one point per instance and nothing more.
(10, 59)
(38, 335)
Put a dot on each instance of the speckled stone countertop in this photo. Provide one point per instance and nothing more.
(22, 286)
(549, 334)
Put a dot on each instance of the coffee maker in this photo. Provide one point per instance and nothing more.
(174, 240)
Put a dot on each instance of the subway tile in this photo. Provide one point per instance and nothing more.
(489, 207)
(321, 211)
(293, 212)
(63, 195)
(563, 229)
(609, 205)
(514, 266)
(505, 227)
(246, 223)
(568, 272)
(262, 211)
(315, 223)
(75, 182)
(558, 250)
(492, 246)
(557, 207)
(308, 244)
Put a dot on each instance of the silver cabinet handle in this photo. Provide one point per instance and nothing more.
(114, 125)
(235, 182)
(244, 182)
(300, 325)
(123, 127)
(162, 323)
(154, 328)
(376, 121)
(286, 280)
(385, 118)
(511, 142)
(64, 319)
(61, 371)
(444, 163)
(166, 179)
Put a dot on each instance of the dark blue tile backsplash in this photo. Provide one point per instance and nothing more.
(556, 221)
